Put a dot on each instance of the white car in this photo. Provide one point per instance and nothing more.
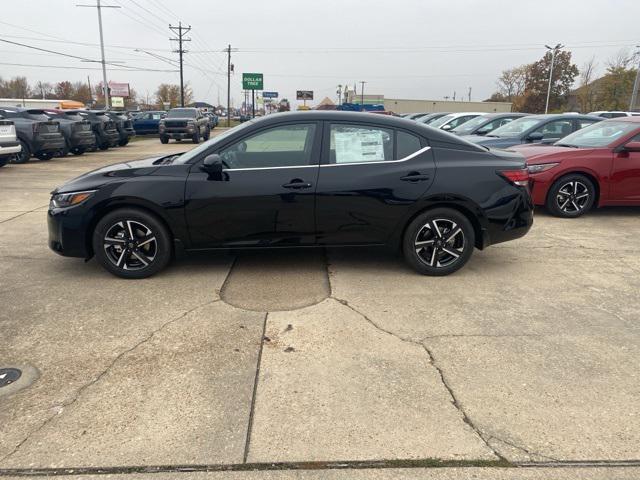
(453, 120)
(615, 114)
(9, 145)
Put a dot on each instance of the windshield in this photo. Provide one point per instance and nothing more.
(515, 128)
(441, 121)
(193, 153)
(471, 124)
(599, 134)
(181, 113)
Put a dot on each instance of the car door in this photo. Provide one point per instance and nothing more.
(554, 130)
(369, 177)
(625, 176)
(266, 194)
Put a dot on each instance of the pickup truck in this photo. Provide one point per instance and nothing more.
(148, 122)
(37, 133)
(9, 145)
(183, 123)
(76, 131)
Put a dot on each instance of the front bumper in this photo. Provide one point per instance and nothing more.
(9, 148)
(178, 133)
(67, 227)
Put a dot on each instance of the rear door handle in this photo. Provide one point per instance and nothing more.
(296, 184)
(415, 177)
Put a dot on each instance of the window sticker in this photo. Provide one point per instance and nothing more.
(359, 146)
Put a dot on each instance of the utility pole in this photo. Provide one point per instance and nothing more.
(554, 51)
(229, 72)
(362, 96)
(105, 85)
(454, 95)
(636, 85)
(181, 32)
(90, 91)
(469, 93)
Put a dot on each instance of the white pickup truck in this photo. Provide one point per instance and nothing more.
(9, 145)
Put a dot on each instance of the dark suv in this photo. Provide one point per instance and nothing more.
(9, 145)
(76, 131)
(37, 133)
(181, 123)
(123, 124)
(104, 129)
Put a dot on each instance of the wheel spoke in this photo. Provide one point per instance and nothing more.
(109, 241)
(451, 252)
(121, 258)
(433, 257)
(582, 196)
(434, 227)
(575, 205)
(131, 236)
(418, 244)
(139, 257)
(147, 239)
(455, 232)
(575, 187)
(562, 207)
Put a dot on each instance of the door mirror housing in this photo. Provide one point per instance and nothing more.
(535, 137)
(632, 147)
(446, 128)
(212, 165)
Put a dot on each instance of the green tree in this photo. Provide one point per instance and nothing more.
(616, 86)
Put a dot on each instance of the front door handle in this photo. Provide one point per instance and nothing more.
(297, 184)
(415, 177)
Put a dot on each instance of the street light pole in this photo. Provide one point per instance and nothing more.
(636, 85)
(554, 51)
(362, 96)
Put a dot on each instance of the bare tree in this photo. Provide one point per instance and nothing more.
(586, 91)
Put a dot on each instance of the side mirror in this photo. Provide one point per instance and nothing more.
(446, 128)
(632, 147)
(212, 165)
(535, 137)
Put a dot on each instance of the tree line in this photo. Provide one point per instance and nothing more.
(19, 87)
(572, 88)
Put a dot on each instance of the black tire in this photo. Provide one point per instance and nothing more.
(571, 196)
(44, 156)
(78, 150)
(123, 143)
(4, 160)
(127, 261)
(104, 146)
(207, 134)
(439, 248)
(196, 137)
(164, 139)
(24, 155)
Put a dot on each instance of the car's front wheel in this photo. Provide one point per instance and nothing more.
(44, 155)
(438, 242)
(164, 139)
(196, 137)
(571, 196)
(24, 155)
(131, 243)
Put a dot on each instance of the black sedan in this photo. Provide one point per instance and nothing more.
(545, 129)
(296, 180)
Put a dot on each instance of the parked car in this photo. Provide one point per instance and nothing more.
(76, 131)
(429, 118)
(123, 123)
(104, 129)
(213, 120)
(414, 116)
(453, 120)
(146, 123)
(596, 166)
(615, 114)
(544, 129)
(268, 183)
(182, 123)
(487, 123)
(38, 135)
(9, 145)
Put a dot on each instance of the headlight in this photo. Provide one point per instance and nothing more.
(62, 200)
(543, 167)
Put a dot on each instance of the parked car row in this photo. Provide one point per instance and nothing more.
(148, 123)
(44, 133)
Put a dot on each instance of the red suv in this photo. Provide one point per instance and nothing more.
(598, 165)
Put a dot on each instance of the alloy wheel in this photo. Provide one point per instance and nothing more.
(440, 243)
(130, 245)
(572, 197)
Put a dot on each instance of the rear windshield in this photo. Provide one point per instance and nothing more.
(515, 128)
(72, 116)
(181, 113)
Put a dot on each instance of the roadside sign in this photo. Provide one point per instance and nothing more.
(119, 89)
(117, 102)
(252, 81)
(304, 94)
(269, 94)
(166, 105)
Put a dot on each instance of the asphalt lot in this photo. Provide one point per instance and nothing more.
(347, 358)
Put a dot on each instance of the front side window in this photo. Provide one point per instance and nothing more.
(555, 129)
(283, 146)
(585, 123)
(358, 144)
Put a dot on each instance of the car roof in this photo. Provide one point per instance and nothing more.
(563, 116)
(461, 114)
(634, 119)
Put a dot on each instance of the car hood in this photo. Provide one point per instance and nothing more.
(495, 142)
(110, 173)
(536, 154)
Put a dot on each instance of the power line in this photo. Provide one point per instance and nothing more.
(83, 68)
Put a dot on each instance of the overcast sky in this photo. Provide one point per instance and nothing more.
(423, 49)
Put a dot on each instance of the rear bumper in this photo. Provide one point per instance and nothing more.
(82, 140)
(510, 220)
(9, 148)
(48, 143)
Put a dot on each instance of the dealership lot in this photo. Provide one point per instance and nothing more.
(527, 355)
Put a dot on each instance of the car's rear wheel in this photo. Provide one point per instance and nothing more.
(196, 137)
(438, 242)
(44, 155)
(207, 134)
(131, 243)
(123, 142)
(78, 150)
(4, 160)
(571, 196)
(24, 155)
(164, 139)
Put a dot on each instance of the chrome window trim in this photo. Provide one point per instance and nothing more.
(267, 168)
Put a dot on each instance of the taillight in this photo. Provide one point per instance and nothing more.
(518, 177)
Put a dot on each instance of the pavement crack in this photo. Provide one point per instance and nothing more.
(100, 376)
(481, 335)
(530, 453)
(443, 380)
(23, 213)
(255, 391)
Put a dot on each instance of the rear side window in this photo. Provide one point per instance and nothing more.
(406, 144)
(585, 123)
(360, 144)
